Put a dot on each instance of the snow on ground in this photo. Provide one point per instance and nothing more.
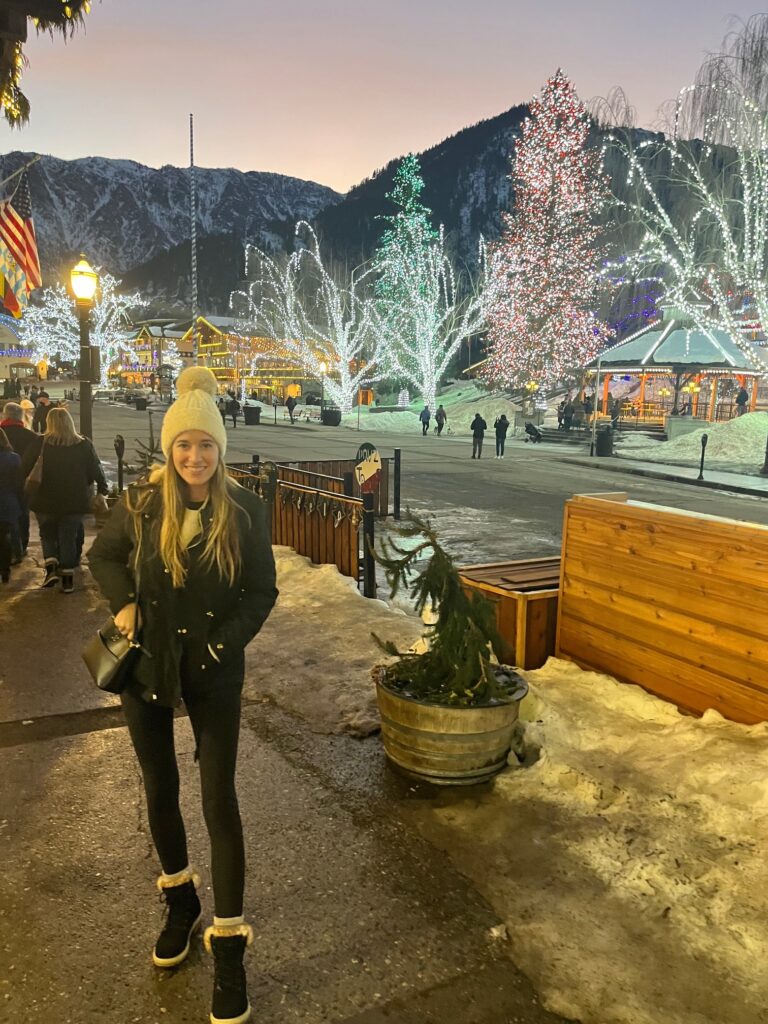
(739, 441)
(628, 862)
(315, 653)
(461, 401)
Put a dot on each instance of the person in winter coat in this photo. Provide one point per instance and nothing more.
(70, 466)
(233, 410)
(478, 428)
(26, 444)
(290, 405)
(193, 548)
(33, 393)
(42, 408)
(501, 426)
(10, 506)
(441, 418)
(560, 413)
(425, 416)
(568, 413)
(742, 401)
(221, 405)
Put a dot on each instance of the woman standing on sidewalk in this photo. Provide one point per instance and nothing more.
(198, 545)
(70, 468)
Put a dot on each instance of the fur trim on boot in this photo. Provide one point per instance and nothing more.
(183, 918)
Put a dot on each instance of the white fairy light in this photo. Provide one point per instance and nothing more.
(313, 320)
(51, 329)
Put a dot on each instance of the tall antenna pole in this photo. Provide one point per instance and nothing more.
(193, 219)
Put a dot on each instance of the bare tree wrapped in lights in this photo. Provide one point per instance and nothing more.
(431, 311)
(51, 328)
(544, 270)
(698, 200)
(327, 330)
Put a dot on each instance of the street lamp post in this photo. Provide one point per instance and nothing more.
(84, 281)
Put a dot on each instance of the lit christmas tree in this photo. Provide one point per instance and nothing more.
(544, 268)
(410, 230)
(424, 312)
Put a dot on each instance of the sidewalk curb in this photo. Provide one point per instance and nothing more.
(714, 485)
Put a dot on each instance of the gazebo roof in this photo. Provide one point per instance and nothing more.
(674, 345)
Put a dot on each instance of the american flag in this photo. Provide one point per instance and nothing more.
(17, 231)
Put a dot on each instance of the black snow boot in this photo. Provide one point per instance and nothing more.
(183, 916)
(230, 999)
(67, 581)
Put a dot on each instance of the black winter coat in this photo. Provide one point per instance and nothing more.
(180, 624)
(22, 440)
(478, 426)
(69, 470)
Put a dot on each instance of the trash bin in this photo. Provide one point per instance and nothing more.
(604, 441)
(141, 404)
(252, 415)
(330, 416)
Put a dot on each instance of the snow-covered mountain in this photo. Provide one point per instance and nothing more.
(123, 214)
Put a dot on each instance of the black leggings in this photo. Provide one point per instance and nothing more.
(215, 718)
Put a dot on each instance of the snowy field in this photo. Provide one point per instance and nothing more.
(627, 862)
(736, 443)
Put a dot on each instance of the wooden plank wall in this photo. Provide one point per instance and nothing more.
(291, 475)
(322, 526)
(673, 601)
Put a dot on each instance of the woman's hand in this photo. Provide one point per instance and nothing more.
(126, 619)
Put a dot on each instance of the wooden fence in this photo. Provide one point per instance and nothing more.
(673, 601)
(327, 526)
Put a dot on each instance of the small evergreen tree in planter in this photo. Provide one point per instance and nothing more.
(448, 714)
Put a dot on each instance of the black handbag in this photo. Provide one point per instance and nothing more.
(110, 656)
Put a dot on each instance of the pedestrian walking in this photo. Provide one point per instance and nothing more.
(17, 389)
(290, 405)
(26, 444)
(42, 408)
(193, 547)
(501, 426)
(10, 506)
(441, 418)
(560, 415)
(568, 412)
(221, 405)
(742, 401)
(33, 393)
(233, 410)
(478, 428)
(70, 467)
(425, 416)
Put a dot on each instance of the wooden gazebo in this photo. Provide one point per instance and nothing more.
(672, 357)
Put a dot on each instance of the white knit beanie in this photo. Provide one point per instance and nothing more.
(194, 409)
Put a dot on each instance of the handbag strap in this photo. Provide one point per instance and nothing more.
(137, 576)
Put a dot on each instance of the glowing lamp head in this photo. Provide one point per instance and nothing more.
(84, 281)
(323, 368)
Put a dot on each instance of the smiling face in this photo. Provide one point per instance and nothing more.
(195, 458)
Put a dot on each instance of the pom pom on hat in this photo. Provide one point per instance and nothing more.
(196, 378)
(194, 409)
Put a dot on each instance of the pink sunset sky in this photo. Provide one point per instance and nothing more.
(332, 90)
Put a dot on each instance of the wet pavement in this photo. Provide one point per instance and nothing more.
(356, 918)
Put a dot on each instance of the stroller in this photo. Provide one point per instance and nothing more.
(534, 434)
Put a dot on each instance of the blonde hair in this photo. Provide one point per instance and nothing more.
(60, 428)
(222, 544)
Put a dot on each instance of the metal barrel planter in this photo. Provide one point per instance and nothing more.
(447, 746)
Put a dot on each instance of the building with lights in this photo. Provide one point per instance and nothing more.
(15, 358)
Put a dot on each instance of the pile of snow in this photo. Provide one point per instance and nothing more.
(738, 441)
(630, 871)
(315, 653)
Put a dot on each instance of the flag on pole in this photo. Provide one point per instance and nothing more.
(11, 281)
(17, 232)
